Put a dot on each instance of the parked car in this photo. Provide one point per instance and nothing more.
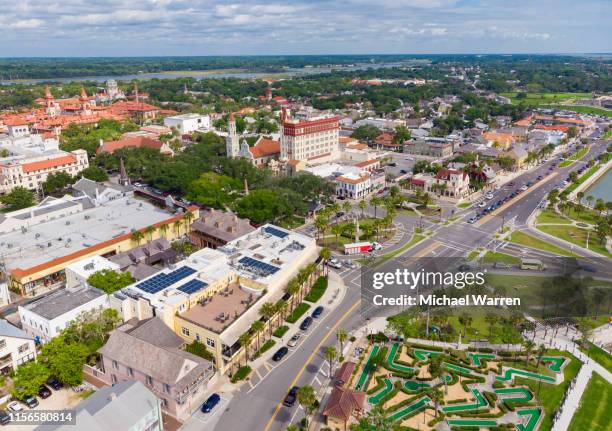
(44, 392)
(210, 403)
(403, 171)
(15, 406)
(54, 383)
(376, 246)
(291, 397)
(472, 219)
(317, 312)
(30, 401)
(294, 340)
(280, 354)
(482, 204)
(306, 324)
(5, 419)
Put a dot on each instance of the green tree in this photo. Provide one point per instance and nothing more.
(362, 206)
(267, 311)
(57, 181)
(94, 173)
(402, 134)
(366, 133)
(257, 327)
(341, 336)
(110, 281)
(245, 340)
(214, 190)
(331, 355)
(308, 399)
(137, 236)
(28, 379)
(66, 364)
(149, 231)
(18, 198)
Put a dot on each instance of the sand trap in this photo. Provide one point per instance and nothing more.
(401, 396)
(456, 392)
(424, 372)
(416, 422)
(403, 356)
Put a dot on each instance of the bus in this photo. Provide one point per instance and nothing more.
(358, 247)
(532, 264)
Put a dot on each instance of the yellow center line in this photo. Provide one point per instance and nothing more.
(314, 352)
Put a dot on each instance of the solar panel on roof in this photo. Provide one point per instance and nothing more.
(192, 286)
(276, 232)
(258, 266)
(162, 280)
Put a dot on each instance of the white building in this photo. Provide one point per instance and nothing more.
(187, 123)
(381, 123)
(16, 347)
(310, 138)
(232, 141)
(353, 186)
(77, 273)
(44, 318)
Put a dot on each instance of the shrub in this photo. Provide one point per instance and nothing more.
(241, 374)
(266, 346)
(317, 290)
(280, 331)
(298, 312)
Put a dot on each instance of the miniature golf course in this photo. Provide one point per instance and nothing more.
(477, 358)
(423, 355)
(480, 402)
(375, 399)
(391, 360)
(517, 395)
(509, 372)
(367, 368)
(409, 409)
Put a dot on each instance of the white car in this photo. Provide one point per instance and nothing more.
(524, 188)
(15, 406)
(482, 204)
(489, 196)
(294, 340)
(376, 246)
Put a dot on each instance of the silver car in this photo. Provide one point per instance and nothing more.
(294, 340)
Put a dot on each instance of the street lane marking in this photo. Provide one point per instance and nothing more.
(312, 355)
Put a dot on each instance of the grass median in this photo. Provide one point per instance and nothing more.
(522, 238)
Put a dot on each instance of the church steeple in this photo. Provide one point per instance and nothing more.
(232, 144)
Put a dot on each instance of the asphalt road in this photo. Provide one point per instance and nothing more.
(258, 408)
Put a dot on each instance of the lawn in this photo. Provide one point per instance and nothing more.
(464, 205)
(582, 109)
(522, 238)
(264, 348)
(577, 236)
(298, 312)
(491, 257)
(534, 99)
(479, 327)
(280, 331)
(586, 215)
(582, 179)
(607, 135)
(550, 216)
(550, 395)
(416, 238)
(576, 156)
(241, 374)
(472, 255)
(594, 413)
(601, 356)
(317, 290)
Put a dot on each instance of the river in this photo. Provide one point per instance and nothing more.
(602, 188)
(290, 72)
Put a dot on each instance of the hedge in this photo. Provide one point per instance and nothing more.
(298, 312)
(241, 374)
(266, 346)
(280, 331)
(317, 290)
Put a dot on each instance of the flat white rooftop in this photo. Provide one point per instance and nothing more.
(47, 241)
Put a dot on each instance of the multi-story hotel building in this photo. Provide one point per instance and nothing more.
(308, 138)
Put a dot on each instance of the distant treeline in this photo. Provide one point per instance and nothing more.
(60, 67)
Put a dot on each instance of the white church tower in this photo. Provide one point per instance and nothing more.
(232, 144)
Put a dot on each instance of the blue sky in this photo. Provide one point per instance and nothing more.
(211, 27)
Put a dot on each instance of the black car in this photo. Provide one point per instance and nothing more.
(54, 383)
(340, 214)
(291, 397)
(280, 354)
(403, 171)
(210, 403)
(317, 312)
(306, 323)
(30, 401)
(5, 419)
(44, 392)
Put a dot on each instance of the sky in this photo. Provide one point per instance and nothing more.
(212, 27)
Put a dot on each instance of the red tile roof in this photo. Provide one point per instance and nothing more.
(345, 372)
(138, 142)
(343, 403)
(50, 163)
(265, 148)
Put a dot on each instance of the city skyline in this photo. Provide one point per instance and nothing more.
(167, 27)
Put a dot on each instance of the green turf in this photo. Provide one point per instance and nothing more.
(392, 365)
(536, 99)
(533, 416)
(594, 412)
(524, 394)
(477, 358)
(510, 373)
(457, 369)
(492, 257)
(366, 369)
(576, 156)
(549, 216)
(409, 409)
(415, 386)
(554, 363)
(522, 238)
(422, 354)
(480, 403)
(480, 423)
(577, 236)
(375, 399)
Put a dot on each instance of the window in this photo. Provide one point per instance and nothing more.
(23, 348)
(115, 366)
(210, 343)
(164, 403)
(130, 372)
(185, 331)
(2, 344)
(113, 379)
(149, 380)
(166, 388)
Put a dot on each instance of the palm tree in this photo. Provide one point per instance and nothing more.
(187, 218)
(337, 231)
(590, 200)
(540, 353)
(307, 398)
(163, 228)
(341, 336)
(375, 201)
(149, 231)
(321, 223)
(267, 311)
(600, 206)
(292, 289)
(281, 308)
(257, 327)
(177, 227)
(362, 206)
(137, 236)
(244, 341)
(325, 254)
(528, 345)
(346, 207)
(330, 354)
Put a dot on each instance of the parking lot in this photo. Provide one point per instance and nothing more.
(403, 162)
(206, 421)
